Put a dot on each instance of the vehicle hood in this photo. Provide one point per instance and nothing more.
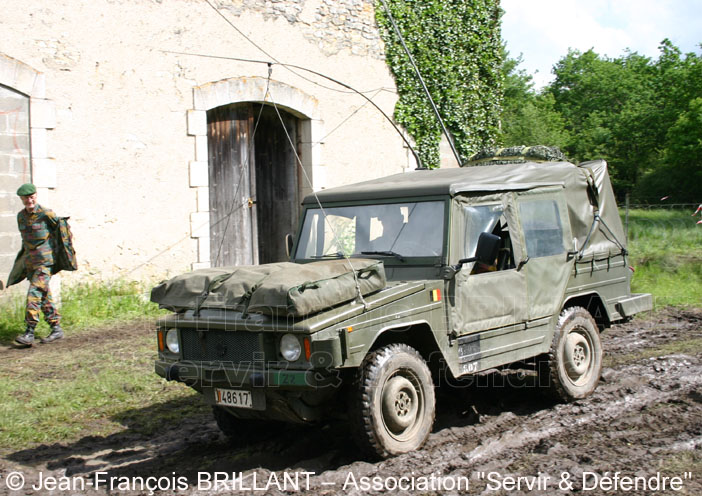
(282, 288)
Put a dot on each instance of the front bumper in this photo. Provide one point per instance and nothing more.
(282, 394)
(200, 375)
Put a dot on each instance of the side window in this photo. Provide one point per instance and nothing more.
(488, 218)
(543, 231)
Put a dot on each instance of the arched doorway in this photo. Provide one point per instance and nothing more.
(254, 183)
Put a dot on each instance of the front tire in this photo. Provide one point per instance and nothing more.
(394, 407)
(574, 362)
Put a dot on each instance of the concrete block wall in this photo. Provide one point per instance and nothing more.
(26, 116)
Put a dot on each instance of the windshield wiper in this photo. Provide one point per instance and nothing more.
(338, 254)
(386, 253)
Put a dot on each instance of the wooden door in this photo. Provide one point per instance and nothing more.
(230, 150)
(254, 186)
(277, 196)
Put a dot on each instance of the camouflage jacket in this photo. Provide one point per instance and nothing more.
(46, 241)
(36, 229)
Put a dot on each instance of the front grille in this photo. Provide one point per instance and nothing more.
(220, 346)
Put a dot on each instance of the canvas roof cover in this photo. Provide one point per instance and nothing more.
(591, 203)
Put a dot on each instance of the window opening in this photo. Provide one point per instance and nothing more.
(543, 232)
(488, 218)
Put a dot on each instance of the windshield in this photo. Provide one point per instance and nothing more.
(394, 229)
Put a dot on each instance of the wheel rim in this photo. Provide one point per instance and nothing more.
(578, 356)
(402, 402)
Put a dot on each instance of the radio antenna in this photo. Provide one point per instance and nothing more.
(421, 80)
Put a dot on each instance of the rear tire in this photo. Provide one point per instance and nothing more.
(572, 369)
(394, 407)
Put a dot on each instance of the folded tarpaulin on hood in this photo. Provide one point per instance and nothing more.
(220, 287)
(310, 288)
(275, 289)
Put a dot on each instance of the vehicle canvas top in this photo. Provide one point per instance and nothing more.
(591, 204)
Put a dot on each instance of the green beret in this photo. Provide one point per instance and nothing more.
(26, 190)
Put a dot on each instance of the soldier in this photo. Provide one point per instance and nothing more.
(36, 224)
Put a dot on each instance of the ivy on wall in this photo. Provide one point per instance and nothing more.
(457, 46)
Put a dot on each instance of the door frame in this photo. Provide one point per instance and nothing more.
(248, 89)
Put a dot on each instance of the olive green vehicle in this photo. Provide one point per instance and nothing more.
(397, 283)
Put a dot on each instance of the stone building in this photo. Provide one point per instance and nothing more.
(160, 129)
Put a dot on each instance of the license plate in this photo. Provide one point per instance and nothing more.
(233, 397)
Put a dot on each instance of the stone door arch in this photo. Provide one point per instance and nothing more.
(254, 183)
(229, 110)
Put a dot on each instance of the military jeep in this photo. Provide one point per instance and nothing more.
(392, 283)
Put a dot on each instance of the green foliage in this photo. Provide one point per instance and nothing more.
(528, 118)
(608, 105)
(639, 114)
(85, 305)
(628, 110)
(456, 46)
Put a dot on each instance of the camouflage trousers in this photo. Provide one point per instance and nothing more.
(39, 298)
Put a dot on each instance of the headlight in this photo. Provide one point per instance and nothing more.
(290, 347)
(172, 340)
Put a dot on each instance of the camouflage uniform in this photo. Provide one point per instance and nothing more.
(36, 230)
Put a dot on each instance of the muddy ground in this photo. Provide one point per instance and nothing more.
(499, 437)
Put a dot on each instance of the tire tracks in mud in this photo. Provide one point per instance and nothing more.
(645, 411)
(500, 441)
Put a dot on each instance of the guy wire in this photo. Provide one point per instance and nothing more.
(316, 73)
(359, 295)
(421, 80)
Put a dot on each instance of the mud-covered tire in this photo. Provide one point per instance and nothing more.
(574, 363)
(394, 404)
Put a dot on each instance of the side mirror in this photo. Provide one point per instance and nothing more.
(289, 242)
(487, 249)
(485, 253)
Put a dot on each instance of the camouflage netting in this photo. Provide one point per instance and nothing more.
(516, 155)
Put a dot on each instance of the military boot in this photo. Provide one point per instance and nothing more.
(56, 333)
(26, 339)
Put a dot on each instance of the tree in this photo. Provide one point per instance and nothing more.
(680, 174)
(683, 152)
(528, 118)
(609, 106)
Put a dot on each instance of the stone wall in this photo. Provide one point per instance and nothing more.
(332, 25)
(118, 143)
(26, 117)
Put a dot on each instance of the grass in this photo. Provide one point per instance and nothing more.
(59, 393)
(666, 250)
(686, 461)
(102, 385)
(84, 306)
